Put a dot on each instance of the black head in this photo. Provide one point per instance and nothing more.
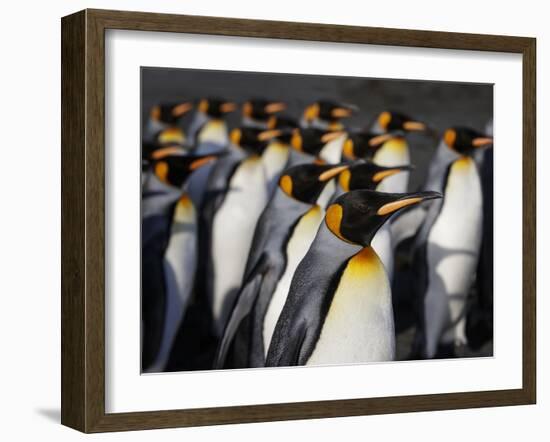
(174, 169)
(282, 127)
(364, 145)
(312, 140)
(328, 111)
(306, 181)
(250, 139)
(261, 109)
(170, 113)
(395, 121)
(356, 216)
(367, 175)
(216, 107)
(465, 141)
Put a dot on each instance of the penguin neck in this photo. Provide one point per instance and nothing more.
(213, 131)
(394, 152)
(332, 151)
(326, 194)
(366, 263)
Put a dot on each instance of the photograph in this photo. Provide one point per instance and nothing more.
(306, 220)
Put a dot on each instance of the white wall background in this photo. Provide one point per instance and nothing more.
(30, 216)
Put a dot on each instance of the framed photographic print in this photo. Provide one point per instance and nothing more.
(267, 221)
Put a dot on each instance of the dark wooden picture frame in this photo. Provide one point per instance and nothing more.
(83, 220)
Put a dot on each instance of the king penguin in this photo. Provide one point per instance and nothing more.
(234, 212)
(446, 250)
(325, 144)
(260, 113)
(327, 114)
(165, 116)
(276, 155)
(168, 253)
(339, 307)
(393, 152)
(292, 223)
(208, 124)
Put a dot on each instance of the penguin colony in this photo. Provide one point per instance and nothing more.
(285, 240)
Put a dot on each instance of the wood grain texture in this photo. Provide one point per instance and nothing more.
(73, 254)
(83, 220)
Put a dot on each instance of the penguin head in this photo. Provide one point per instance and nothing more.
(356, 216)
(388, 121)
(363, 145)
(305, 182)
(328, 110)
(281, 130)
(367, 175)
(170, 113)
(465, 141)
(216, 107)
(250, 139)
(261, 109)
(311, 140)
(175, 168)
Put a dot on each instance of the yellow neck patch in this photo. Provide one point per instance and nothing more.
(365, 261)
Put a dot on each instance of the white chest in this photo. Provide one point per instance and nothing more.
(359, 324)
(455, 238)
(274, 160)
(298, 245)
(233, 228)
(394, 152)
(214, 131)
(332, 151)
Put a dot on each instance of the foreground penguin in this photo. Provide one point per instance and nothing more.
(168, 254)
(446, 250)
(283, 239)
(339, 307)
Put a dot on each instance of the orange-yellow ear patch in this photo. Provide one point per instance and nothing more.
(312, 112)
(344, 180)
(155, 113)
(235, 136)
(286, 184)
(296, 140)
(384, 120)
(203, 106)
(161, 171)
(388, 208)
(348, 149)
(247, 109)
(450, 137)
(333, 220)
